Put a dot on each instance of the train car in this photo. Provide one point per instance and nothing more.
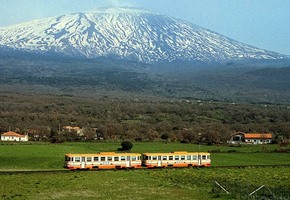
(176, 159)
(103, 160)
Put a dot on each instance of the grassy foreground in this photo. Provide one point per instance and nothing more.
(94, 185)
(191, 183)
(137, 184)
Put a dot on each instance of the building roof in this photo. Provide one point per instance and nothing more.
(13, 134)
(72, 127)
(258, 136)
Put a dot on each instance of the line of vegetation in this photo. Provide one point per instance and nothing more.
(138, 120)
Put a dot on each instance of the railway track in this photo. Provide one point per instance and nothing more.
(69, 171)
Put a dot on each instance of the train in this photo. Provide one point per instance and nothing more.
(116, 160)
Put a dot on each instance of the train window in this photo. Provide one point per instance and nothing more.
(176, 158)
(96, 159)
(147, 157)
(103, 158)
(188, 157)
(164, 157)
(123, 158)
(89, 159)
(110, 158)
(154, 157)
(170, 157)
(133, 158)
(116, 158)
(67, 158)
(204, 157)
(182, 157)
(194, 157)
(208, 157)
(77, 159)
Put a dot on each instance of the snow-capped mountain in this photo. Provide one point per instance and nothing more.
(127, 33)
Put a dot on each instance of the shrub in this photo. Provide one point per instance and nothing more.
(126, 145)
(165, 136)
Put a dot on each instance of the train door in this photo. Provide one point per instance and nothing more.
(159, 161)
(83, 162)
(199, 160)
(128, 163)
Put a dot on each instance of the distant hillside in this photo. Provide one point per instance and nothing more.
(272, 78)
(178, 81)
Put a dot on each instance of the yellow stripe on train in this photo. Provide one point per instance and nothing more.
(112, 160)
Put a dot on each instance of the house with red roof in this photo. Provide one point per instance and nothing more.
(251, 138)
(75, 129)
(12, 136)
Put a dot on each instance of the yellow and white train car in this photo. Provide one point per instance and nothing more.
(103, 160)
(176, 159)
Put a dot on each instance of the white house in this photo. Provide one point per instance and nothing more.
(76, 129)
(12, 136)
(251, 138)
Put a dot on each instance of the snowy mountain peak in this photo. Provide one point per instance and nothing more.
(127, 33)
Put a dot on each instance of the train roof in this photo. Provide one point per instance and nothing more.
(176, 153)
(104, 154)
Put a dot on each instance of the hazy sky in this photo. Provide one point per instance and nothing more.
(261, 23)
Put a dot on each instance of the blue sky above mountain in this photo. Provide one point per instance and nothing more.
(261, 23)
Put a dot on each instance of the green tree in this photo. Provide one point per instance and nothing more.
(126, 146)
(165, 136)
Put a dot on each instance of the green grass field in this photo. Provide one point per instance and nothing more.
(51, 156)
(96, 185)
(191, 183)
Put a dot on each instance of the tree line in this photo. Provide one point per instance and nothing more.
(138, 119)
